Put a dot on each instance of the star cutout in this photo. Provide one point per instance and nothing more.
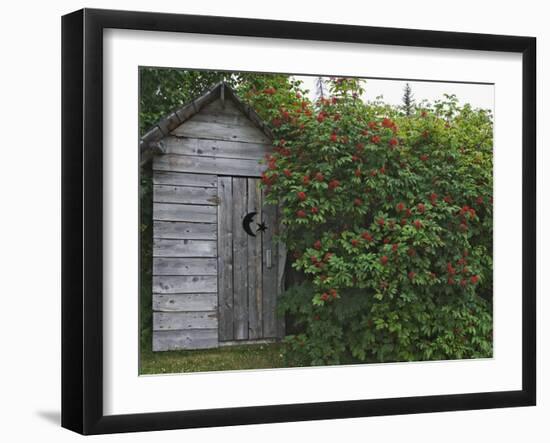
(261, 227)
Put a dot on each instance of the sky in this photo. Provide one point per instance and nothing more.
(478, 96)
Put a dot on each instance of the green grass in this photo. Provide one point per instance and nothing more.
(219, 359)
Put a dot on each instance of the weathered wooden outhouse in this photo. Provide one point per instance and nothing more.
(217, 271)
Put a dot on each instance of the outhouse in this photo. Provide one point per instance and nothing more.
(217, 271)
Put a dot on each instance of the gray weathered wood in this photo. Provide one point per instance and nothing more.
(254, 204)
(209, 165)
(216, 148)
(184, 230)
(181, 212)
(185, 266)
(232, 115)
(154, 134)
(166, 321)
(281, 265)
(221, 117)
(198, 104)
(217, 106)
(185, 194)
(225, 258)
(270, 283)
(240, 261)
(166, 284)
(250, 113)
(256, 342)
(184, 179)
(170, 122)
(210, 279)
(184, 248)
(185, 302)
(219, 131)
(186, 339)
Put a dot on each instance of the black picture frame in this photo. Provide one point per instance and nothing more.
(82, 219)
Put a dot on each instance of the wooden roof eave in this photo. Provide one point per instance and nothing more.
(151, 142)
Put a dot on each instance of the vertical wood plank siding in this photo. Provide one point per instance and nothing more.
(240, 261)
(270, 271)
(225, 258)
(254, 262)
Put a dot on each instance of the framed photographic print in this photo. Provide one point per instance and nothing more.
(273, 221)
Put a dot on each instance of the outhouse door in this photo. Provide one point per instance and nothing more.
(247, 262)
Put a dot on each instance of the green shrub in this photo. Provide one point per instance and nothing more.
(388, 218)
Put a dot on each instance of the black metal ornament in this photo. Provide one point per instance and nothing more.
(248, 219)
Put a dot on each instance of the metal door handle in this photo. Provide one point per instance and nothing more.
(268, 258)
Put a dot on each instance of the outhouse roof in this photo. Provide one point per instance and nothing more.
(150, 142)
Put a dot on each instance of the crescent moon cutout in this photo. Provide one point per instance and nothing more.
(248, 218)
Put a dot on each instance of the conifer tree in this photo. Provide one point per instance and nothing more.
(408, 100)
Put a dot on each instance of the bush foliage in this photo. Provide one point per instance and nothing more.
(388, 219)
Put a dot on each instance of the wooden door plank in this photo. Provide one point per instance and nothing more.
(270, 270)
(281, 265)
(254, 204)
(184, 248)
(166, 284)
(170, 321)
(185, 266)
(240, 261)
(184, 230)
(186, 213)
(185, 194)
(225, 258)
